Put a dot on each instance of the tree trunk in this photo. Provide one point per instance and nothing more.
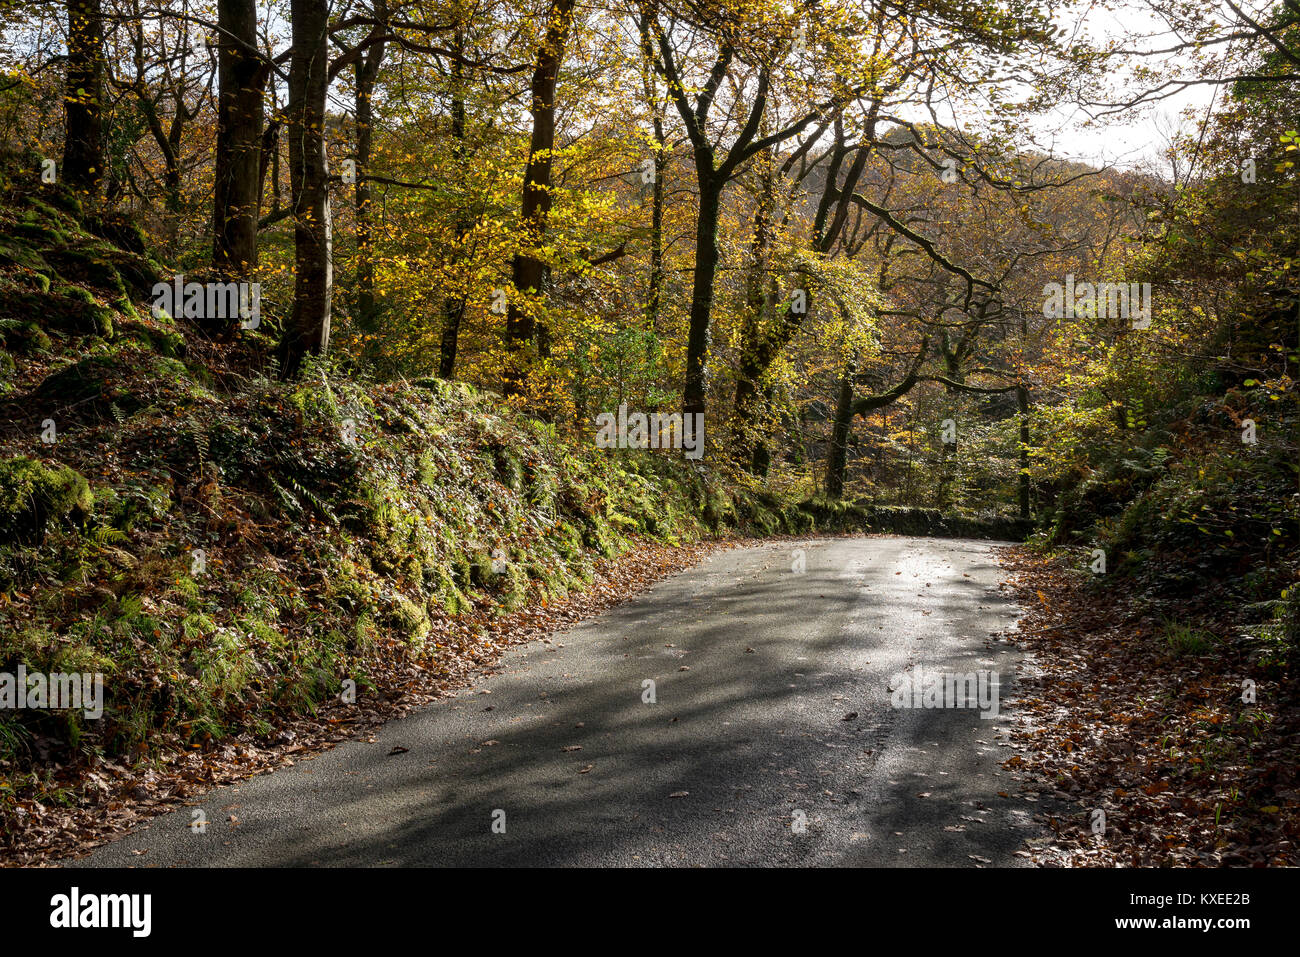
(242, 76)
(528, 273)
(654, 294)
(694, 392)
(367, 72)
(837, 455)
(453, 307)
(83, 147)
(751, 366)
(269, 161)
(761, 460)
(308, 329)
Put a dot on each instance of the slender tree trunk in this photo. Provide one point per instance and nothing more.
(654, 294)
(241, 76)
(453, 307)
(528, 273)
(172, 157)
(453, 315)
(269, 161)
(308, 329)
(83, 147)
(168, 140)
(367, 72)
(172, 189)
(1022, 402)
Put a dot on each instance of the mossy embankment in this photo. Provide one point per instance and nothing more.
(227, 559)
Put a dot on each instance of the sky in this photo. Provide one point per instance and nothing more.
(1139, 138)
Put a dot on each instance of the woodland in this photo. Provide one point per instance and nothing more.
(313, 315)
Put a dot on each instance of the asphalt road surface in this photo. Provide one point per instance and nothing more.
(772, 738)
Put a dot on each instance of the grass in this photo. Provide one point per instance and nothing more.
(1184, 639)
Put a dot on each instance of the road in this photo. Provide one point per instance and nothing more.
(771, 739)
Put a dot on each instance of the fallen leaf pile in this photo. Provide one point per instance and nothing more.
(1163, 760)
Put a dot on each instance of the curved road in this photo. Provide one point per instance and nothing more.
(771, 739)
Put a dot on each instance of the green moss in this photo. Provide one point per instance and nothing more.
(161, 341)
(568, 540)
(14, 250)
(40, 234)
(512, 587)
(449, 597)
(34, 496)
(411, 619)
(552, 578)
(60, 202)
(32, 339)
(172, 345)
(598, 536)
(421, 511)
(480, 570)
(119, 229)
(138, 273)
(124, 305)
(427, 468)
